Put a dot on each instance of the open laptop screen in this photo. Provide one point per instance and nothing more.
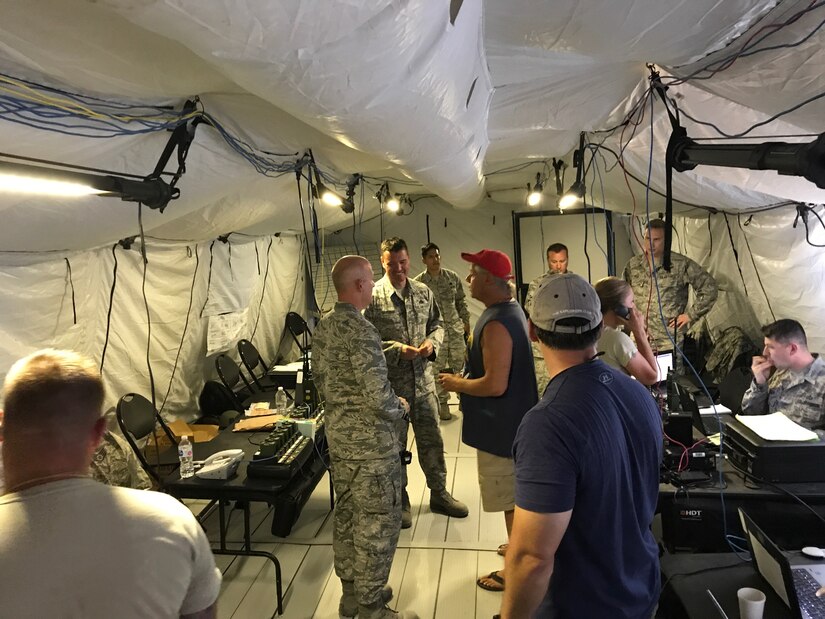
(665, 362)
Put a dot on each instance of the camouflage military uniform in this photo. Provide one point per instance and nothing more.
(448, 289)
(800, 395)
(114, 463)
(673, 291)
(542, 378)
(363, 421)
(410, 321)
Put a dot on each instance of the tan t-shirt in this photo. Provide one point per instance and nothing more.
(617, 347)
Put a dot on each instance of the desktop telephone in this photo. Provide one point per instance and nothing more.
(221, 465)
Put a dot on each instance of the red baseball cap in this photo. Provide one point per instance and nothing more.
(493, 261)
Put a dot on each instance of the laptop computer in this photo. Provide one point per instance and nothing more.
(794, 577)
(665, 362)
(706, 424)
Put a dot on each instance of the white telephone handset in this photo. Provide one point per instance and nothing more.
(221, 465)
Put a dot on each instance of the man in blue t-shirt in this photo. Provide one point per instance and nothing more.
(587, 476)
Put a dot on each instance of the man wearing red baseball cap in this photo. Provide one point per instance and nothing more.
(498, 386)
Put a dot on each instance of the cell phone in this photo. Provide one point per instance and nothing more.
(622, 311)
(446, 371)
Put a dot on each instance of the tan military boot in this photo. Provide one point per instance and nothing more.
(444, 503)
(379, 610)
(444, 412)
(348, 606)
(406, 510)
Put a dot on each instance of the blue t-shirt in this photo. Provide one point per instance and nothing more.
(593, 445)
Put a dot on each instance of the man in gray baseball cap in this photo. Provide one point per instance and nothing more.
(587, 460)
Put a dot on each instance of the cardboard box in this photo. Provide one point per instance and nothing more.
(197, 433)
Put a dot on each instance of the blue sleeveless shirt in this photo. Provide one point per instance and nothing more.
(490, 423)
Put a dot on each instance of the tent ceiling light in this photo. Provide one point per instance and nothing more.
(326, 195)
(534, 194)
(572, 196)
(53, 181)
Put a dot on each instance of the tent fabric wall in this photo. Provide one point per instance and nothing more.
(36, 308)
(792, 271)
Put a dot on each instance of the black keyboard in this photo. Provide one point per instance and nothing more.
(281, 454)
(806, 587)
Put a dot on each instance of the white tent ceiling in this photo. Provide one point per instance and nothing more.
(393, 89)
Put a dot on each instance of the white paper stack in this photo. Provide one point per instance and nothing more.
(777, 427)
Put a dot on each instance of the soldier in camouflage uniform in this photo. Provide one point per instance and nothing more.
(364, 418)
(787, 378)
(672, 286)
(557, 257)
(449, 296)
(406, 316)
(114, 463)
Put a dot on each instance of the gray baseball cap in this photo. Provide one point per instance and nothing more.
(566, 296)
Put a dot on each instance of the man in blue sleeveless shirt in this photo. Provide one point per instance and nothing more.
(587, 475)
(498, 386)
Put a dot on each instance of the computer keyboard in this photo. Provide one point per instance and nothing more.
(806, 587)
(281, 454)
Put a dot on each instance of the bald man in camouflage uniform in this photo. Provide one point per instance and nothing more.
(406, 316)
(673, 288)
(557, 259)
(449, 295)
(364, 418)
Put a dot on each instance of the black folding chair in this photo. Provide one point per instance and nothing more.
(733, 387)
(299, 330)
(230, 375)
(252, 360)
(138, 418)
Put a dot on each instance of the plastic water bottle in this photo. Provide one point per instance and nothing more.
(280, 401)
(187, 468)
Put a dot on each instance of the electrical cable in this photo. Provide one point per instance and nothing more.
(802, 211)
(146, 305)
(109, 310)
(183, 334)
(736, 255)
(727, 61)
(71, 284)
(784, 491)
(755, 269)
(208, 276)
(263, 287)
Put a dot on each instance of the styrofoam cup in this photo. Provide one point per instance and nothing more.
(751, 603)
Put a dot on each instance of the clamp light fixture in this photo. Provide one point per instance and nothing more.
(15, 177)
(572, 196)
(388, 200)
(348, 203)
(534, 194)
(52, 178)
(323, 193)
(576, 192)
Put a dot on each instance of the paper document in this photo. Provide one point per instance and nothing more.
(257, 423)
(289, 368)
(777, 427)
(721, 409)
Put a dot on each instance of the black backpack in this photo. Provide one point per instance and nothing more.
(215, 400)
